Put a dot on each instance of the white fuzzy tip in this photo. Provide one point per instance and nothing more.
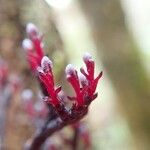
(87, 56)
(46, 63)
(27, 94)
(40, 70)
(27, 44)
(70, 69)
(81, 77)
(31, 28)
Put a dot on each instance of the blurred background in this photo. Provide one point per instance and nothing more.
(115, 32)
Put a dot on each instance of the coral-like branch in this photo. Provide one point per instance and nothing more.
(84, 85)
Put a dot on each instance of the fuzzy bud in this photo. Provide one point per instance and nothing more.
(70, 70)
(82, 79)
(87, 57)
(31, 29)
(40, 70)
(46, 63)
(27, 44)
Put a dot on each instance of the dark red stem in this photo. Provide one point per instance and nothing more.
(42, 135)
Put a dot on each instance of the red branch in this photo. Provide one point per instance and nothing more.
(84, 86)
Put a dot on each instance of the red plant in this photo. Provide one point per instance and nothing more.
(33, 46)
(84, 85)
